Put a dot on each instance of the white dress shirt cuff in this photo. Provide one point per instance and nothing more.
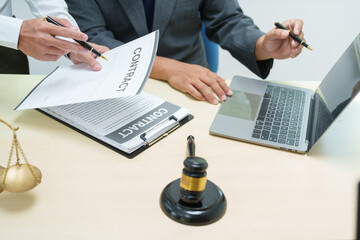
(9, 31)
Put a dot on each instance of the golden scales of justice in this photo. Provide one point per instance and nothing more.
(20, 177)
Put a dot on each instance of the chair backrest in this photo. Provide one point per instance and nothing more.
(212, 51)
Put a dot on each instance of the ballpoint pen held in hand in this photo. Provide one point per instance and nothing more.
(293, 36)
(82, 43)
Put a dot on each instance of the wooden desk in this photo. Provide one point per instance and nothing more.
(91, 192)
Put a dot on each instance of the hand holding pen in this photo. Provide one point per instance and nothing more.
(37, 39)
(277, 43)
(82, 43)
(293, 36)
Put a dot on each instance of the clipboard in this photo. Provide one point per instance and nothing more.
(143, 136)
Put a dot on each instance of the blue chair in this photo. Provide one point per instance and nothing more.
(212, 51)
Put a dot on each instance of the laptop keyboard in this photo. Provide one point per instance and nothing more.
(280, 116)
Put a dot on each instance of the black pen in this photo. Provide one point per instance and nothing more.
(82, 43)
(293, 36)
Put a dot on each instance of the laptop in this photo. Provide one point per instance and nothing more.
(286, 117)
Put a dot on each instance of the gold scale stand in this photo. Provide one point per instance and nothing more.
(19, 177)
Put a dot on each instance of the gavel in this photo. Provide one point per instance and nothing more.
(193, 179)
(193, 200)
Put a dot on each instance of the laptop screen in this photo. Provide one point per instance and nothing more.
(336, 91)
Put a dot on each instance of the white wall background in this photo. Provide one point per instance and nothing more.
(330, 26)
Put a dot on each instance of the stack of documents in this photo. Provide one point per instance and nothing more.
(108, 105)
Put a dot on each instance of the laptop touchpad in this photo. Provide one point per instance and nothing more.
(241, 105)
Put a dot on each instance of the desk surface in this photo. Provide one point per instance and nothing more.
(91, 192)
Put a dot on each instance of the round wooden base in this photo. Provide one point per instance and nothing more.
(210, 209)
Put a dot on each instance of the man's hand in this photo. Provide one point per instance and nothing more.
(277, 44)
(196, 80)
(88, 56)
(37, 39)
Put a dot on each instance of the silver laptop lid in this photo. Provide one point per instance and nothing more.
(336, 91)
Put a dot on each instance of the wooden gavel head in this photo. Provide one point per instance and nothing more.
(193, 180)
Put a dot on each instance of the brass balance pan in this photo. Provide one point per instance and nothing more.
(1, 169)
(19, 178)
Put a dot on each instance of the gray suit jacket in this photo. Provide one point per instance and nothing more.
(114, 22)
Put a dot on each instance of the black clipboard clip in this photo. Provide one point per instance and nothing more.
(149, 143)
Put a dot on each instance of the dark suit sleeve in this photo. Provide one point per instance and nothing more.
(227, 25)
(91, 21)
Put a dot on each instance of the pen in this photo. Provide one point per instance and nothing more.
(293, 36)
(82, 43)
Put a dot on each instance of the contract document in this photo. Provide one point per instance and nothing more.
(126, 124)
(124, 74)
(109, 106)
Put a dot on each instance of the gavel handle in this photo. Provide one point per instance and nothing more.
(191, 146)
